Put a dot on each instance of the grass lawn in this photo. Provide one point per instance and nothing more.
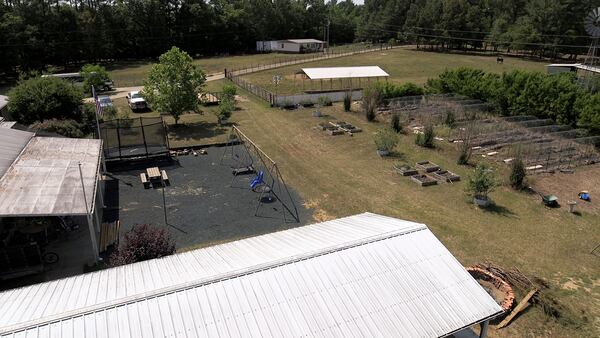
(128, 74)
(403, 65)
(342, 175)
(193, 129)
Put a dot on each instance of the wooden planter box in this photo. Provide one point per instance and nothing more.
(424, 180)
(405, 170)
(427, 166)
(446, 176)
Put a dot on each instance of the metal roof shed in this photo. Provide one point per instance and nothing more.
(363, 275)
(344, 72)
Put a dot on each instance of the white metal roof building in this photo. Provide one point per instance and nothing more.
(322, 73)
(291, 45)
(365, 275)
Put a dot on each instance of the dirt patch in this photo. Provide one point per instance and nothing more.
(492, 290)
(567, 186)
(570, 285)
(319, 215)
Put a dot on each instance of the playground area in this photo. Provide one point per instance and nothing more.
(205, 202)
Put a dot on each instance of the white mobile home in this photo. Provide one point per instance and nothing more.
(291, 46)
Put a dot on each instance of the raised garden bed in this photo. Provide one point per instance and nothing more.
(446, 175)
(347, 127)
(424, 180)
(427, 166)
(405, 170)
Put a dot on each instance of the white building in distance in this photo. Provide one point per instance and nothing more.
(291, 46)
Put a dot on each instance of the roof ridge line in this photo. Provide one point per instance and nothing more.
(209, 280)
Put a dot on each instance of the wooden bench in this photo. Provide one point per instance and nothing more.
(163, 175)
(144, 180)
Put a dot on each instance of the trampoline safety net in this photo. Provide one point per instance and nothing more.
(138, 137)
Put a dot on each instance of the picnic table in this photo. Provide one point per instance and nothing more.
(153, 173)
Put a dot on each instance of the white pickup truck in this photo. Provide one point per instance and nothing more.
(136, 101)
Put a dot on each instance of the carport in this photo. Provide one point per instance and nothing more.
(51, 176)
(341, 74)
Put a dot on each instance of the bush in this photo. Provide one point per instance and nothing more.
(390, 90)
(465, 152)
(517, 173)
(426, 139)
(395, 123)
(68, 128)
(325, 101)
(229, 90)
(307, 103)
(143, 242)
(450, 120)
(39, 99)
(386, 139)
(482, 183)
(371, 99)
(348, 101)
(226, 108)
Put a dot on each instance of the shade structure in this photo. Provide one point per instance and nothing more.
(44, 179)
(364, 275)
(344, 72)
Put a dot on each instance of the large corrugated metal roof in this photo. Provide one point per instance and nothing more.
(12, 142)
(44, 179)
(344, 72)
(364, 275)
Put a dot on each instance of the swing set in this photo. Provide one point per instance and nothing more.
(246, 158)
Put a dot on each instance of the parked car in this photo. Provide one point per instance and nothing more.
(136, 101)
(105, 101)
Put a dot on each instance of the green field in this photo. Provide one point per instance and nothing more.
(128, 74)
(403, 65)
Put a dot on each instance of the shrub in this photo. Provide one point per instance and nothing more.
(39, 99)
(226, 107)
(465, 152)
(68, 128)
(426, 139)
(325, 101)
(395, 123)
(450, 120)
(482, 183)
(517, 173)
(307, 103)
(386, 139)
(143, 242)
(347, 101)
(390, 90)
(370, 101)
(229, 90)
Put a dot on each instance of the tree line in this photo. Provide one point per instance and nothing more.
(35, 34)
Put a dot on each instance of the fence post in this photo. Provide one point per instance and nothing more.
(144, 136)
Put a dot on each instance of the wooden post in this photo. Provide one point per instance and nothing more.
(484, 329)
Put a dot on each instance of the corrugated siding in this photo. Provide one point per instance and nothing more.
(366, 275)
(45, 180)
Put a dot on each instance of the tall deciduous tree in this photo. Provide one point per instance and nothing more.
(173, 85)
